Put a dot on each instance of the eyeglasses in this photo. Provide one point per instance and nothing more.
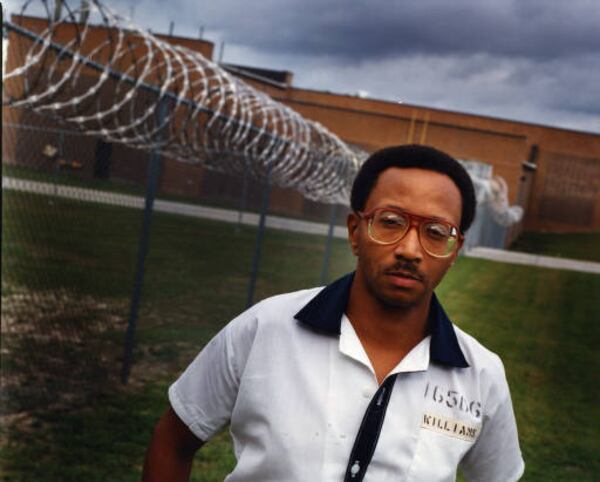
(389, 225)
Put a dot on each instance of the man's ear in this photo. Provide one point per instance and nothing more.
(353, 222)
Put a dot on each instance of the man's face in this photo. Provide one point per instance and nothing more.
(404, 274)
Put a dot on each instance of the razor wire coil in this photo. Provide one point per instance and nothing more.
(113, 89)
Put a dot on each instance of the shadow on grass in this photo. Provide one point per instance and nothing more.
(104, 441)
(65, 415)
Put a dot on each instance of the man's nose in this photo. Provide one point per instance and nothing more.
(409, 247)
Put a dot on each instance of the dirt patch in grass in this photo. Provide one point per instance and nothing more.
(56, 349)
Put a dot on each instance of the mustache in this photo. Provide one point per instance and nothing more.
(406, 267)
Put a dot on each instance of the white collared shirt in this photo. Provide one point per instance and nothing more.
(295, 398)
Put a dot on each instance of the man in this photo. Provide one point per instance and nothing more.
(366, 379)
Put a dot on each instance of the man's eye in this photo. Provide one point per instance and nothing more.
(391, 220)
(437, 231)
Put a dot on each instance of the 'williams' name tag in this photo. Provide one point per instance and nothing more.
(450, 427)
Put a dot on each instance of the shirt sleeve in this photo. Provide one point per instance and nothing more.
(204, 395)
(496, 455)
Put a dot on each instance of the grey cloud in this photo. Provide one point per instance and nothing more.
(353, 31)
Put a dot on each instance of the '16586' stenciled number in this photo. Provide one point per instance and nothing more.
(452, 399)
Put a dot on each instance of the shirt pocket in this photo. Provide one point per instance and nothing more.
(443, 442)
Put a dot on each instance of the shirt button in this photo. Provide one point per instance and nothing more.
(367, 392)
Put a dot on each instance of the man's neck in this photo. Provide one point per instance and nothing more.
(385, 328)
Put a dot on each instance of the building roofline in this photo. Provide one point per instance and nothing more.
(448, 111)
(236, 70)
(481, 130)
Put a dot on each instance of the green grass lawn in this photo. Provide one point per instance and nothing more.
(584, 246)
(540, 321)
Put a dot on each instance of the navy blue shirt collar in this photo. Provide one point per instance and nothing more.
(324, 314)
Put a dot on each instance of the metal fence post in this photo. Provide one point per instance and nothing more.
(151, 188)
(243, 197)
(259, 241)
(328, 243)
(59, 156)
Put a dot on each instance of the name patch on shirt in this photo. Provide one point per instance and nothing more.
(450, 427)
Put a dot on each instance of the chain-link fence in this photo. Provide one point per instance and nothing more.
(63, 312)
(73, 256)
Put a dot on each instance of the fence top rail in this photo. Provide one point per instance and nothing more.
(30, 127)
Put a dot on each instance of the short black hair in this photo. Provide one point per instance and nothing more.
(419, 156)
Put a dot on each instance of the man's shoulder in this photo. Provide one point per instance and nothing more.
(273, 316)
(284, 305)
(478, 356)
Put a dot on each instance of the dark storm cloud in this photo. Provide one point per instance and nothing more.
(352, 31)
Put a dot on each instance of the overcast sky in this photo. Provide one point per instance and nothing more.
(529, 60)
